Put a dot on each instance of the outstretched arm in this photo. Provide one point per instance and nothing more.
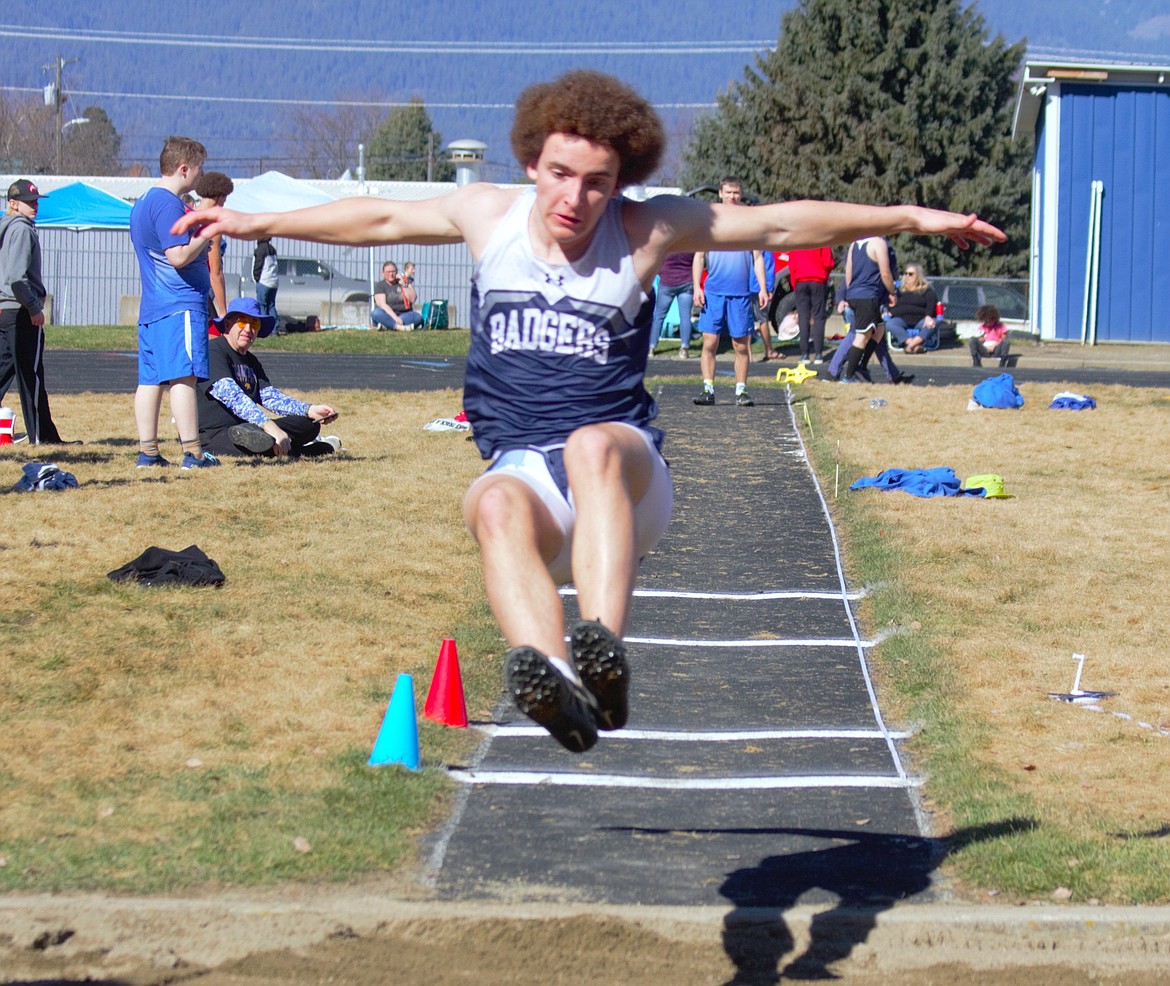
(468, 213)
(693, 225)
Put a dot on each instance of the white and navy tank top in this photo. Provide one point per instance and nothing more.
(555, 346)
(867, 275)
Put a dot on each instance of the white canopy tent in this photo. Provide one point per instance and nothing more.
(275, 192)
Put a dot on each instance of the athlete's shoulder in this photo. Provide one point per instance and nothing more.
(477, 209)
(661, 225)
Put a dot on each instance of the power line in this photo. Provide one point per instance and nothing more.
(704, 46)
(270, 101)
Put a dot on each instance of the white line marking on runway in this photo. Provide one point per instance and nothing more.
(552, 779)
(508, 730)
(827, 642)
(745, 596)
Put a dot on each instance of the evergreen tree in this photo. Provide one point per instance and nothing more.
(403, 144)
(881, 101)
(91, 148)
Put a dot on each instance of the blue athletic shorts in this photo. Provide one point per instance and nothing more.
(732, 312)
(173, 347)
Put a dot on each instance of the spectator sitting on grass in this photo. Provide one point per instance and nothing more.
(233, 398)
(992, 339)
(394, 301)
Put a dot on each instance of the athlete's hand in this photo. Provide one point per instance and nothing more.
(963, 230)
(280, 436)
(209, 223)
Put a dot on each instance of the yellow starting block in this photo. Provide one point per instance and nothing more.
(798, 375)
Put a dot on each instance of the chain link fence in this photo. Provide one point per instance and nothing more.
(963, 296)
(90, 273)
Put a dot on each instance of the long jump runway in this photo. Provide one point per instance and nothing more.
(756, 768)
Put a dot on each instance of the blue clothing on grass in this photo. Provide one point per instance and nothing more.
(940, 481)
(1068, 401)
(1000, 391)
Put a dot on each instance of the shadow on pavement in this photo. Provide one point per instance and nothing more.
(868, 874)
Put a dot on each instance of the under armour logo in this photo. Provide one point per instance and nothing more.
(558, 280)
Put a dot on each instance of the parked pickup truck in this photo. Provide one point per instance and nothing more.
(304, 283)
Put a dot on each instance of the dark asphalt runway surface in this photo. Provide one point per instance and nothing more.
(755, 769)
(77, 371)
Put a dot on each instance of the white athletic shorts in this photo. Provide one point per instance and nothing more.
(531, 467)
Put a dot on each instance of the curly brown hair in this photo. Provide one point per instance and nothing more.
(987, 315)
(594, 106)
(214, 185)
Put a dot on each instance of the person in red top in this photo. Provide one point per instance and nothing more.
(992, 339)
(808, 270)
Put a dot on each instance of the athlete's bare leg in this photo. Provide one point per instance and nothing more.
(518, 538)
(707, 356)
(610, 468)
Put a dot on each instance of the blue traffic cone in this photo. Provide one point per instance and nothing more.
(397, 740)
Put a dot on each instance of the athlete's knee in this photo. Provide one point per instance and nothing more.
(593, 450)
(494, 509)
(609, 456)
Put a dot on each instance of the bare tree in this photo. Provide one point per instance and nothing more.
(324, 142)
(26, 136)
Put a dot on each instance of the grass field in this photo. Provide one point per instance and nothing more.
(158, 739)
(992, 598)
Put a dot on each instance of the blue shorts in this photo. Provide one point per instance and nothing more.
(732, 312)
(172, 348)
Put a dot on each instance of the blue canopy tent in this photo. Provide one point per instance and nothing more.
(80, 206)
(86, 251)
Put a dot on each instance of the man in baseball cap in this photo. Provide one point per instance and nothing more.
(23, 190)
(22, 312)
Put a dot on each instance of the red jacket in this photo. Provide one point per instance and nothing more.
(810, 265)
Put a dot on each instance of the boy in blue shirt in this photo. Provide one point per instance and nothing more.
(172, 314)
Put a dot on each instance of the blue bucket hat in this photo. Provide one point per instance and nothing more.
(246, 306)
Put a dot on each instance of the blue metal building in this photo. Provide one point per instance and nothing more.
(1100, 250)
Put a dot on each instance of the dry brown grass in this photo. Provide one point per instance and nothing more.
(344, 572)
(341, 573)
(1078, 562)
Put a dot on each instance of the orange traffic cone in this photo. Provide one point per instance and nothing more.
(445, 702)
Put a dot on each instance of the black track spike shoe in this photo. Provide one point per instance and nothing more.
(550, 700)
(600, 660)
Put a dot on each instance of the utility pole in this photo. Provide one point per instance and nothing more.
(431, 156)
(55, 96)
